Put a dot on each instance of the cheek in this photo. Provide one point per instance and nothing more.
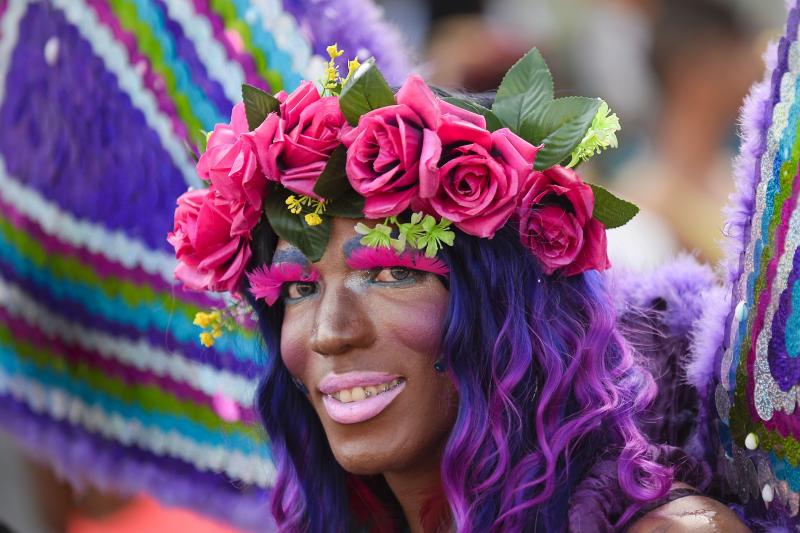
(294, 352)
(418, 325)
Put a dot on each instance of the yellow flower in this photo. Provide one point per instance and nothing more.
(313, 219)
(333, 51)
(332, 76)
(216, 332)
(352, 67)
(207, 339)
(295, 204)
(202, 319)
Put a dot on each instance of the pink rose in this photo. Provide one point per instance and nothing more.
(482, 176)
(294, 147)
(231, 165)
(210, 256)
(392, 147)
(556, 223)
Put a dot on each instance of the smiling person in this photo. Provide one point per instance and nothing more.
(426, 272)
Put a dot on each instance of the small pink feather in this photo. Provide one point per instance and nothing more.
(266, 282)
(382, 257)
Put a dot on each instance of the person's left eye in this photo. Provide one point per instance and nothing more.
(394, 274)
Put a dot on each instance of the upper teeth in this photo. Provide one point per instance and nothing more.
(359, 393)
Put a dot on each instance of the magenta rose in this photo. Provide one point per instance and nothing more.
(231, 165)
(481, 179)
(295, 146)
(210, 256)
(556, 223)
(391, 147)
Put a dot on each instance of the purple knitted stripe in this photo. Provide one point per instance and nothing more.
(116, 172)
(83, 457)
(130, 375)
(152, 80)
(186, 51)
(245, 60)
(78, 314)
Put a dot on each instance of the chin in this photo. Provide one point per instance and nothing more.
(380, 448)
(360, 458)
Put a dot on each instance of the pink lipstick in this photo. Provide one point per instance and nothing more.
(359, 396)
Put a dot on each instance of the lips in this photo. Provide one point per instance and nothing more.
(359, 396)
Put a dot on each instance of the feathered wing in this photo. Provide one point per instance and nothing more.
(101, 372)
(745, 360)
(657, 313)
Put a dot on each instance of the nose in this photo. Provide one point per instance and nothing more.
(341, 323)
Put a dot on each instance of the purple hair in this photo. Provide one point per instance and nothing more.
(548, 389)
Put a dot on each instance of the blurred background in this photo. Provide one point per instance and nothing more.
(675, 71)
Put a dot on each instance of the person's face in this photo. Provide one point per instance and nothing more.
(363, 339)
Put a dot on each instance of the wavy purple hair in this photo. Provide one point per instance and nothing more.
(548, 389)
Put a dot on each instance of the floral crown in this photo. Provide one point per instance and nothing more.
(414, 160)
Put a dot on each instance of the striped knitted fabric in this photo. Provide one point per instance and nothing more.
(101, 372)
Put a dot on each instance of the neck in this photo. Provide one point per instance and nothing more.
(414, 487)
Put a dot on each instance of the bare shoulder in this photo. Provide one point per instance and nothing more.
(691, 513)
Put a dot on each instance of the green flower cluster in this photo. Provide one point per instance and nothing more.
(421, 232)
(601, 135)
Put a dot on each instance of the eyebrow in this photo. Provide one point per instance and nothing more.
(289, 255)
(362, 257)
(352, 246)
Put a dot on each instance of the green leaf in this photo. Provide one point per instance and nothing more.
(257, 105)
(333, 181)
(202, 141)
(525, 88)
(366, 90)
(311, 240)
(492, 122)
(350, 205)
(198, 140)
(613, 212)
(190, 151)
(333, 185)
(560, 126)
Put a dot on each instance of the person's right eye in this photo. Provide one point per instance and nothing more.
(297, 290)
